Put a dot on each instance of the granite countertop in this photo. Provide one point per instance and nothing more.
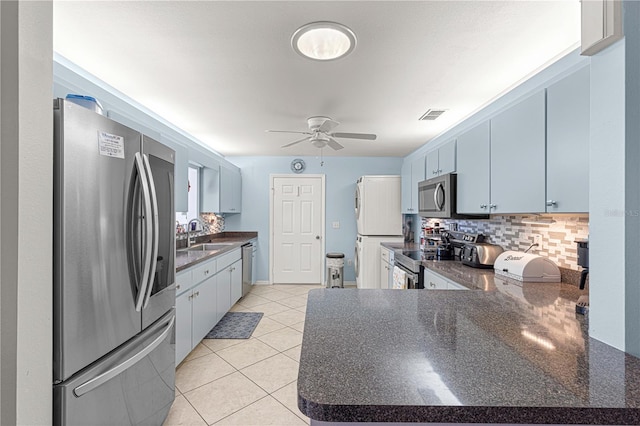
(509, 352)
(186, 259)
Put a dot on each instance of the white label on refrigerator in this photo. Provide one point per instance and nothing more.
(110, 145)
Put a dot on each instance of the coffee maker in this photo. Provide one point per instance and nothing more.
(583, 260)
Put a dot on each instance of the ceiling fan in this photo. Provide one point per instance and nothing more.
(319, 134)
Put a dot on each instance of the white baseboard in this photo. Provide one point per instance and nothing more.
(350, 284)
(262, 283)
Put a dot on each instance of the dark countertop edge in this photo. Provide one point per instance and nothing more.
(239, 238)
(469, 414)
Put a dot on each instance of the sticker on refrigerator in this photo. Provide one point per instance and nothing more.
(110, 145)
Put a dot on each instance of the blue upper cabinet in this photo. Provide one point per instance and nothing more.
(568, 144)
(412, 174)
(473, 170)
(230, 190)
(518, 157)
(441, 161)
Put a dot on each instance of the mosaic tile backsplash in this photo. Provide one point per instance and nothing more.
(211, 224)
(558, 239)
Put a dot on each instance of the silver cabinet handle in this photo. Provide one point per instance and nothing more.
(439, 170)
(551, 202)
(178, 286)
(144, 281)
(492, 206)
(483, 206)
(197, 294)
(431, 284)
(156, 232)
(110, 374)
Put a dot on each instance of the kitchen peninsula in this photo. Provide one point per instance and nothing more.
(502, 353)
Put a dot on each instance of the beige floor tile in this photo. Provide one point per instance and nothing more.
(246, 353)
(266, 325)
(282, 340)
(302, 289)
(272, 373)
(299, 327)
(218, 344)
(239, 308)
(197, 352)
(302, 309)
(289, 317)
(267, 411)
(288, 396)
(182, 413)
(257, 289)
(251, 300)
(270, 308)
(200, 371)
(274, 295)
(294, 301)
(216, 400)
(294, 353)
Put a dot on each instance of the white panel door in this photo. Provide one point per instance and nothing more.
(297, 230)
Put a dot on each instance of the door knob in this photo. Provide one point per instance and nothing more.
(317, 237)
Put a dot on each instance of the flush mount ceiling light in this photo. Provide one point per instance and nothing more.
(323, 41)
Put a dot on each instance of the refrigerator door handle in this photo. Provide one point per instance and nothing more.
(90, 385)
(144, 281)
(156, 232)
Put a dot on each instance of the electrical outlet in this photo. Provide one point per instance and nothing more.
(349, 262)
(537, 239)
(335, 225)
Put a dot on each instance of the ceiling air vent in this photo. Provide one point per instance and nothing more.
(432, 114)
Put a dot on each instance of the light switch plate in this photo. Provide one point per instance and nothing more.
(335, 225)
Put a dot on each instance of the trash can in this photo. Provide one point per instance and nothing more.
(335, 270)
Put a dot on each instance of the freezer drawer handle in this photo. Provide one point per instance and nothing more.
(90, 385)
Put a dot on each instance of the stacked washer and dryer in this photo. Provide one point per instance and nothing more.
(379, 220)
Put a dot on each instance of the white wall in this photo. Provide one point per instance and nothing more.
(26, 212)
(341, 175)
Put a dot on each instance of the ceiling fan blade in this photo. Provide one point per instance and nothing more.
(295, 142)
(366, 136)
(288, 131)
(328, 125)
(334, 144)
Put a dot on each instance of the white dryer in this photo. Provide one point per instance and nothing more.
(378, 205)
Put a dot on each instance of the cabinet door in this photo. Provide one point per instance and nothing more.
(568, 144)
(518, 157)
(204, 309)
(447, 158)
(417, 176)
(473, 170)
(209, 190)
(183, 326)
(405, 176)
(433, 281)
(230, 190)
(432, 165)
(223, 293)
(235, 271)
(181, 178)
(384, 273)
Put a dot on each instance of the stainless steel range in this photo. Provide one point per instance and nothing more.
(410, 261)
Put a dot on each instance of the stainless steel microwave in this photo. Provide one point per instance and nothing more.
(437, 198)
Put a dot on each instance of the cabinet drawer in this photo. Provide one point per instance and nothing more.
(228, 258)
(384, 254)
(204, 271)
(183, 281)
(434, 281)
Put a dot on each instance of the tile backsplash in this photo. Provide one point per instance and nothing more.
(211, 224)
(558, 239)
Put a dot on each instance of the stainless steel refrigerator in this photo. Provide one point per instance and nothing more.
(114, 272)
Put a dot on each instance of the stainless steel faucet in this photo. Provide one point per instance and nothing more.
(189, 242)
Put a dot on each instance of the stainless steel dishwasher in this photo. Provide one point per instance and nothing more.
(247, 268)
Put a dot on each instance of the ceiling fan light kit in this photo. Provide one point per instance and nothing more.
(323, 41)
(320, 136)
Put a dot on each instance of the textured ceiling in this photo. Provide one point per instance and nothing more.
(224, 71)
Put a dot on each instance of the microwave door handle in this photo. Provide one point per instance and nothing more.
(144, 281)
(436, 199)
(155, 234)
